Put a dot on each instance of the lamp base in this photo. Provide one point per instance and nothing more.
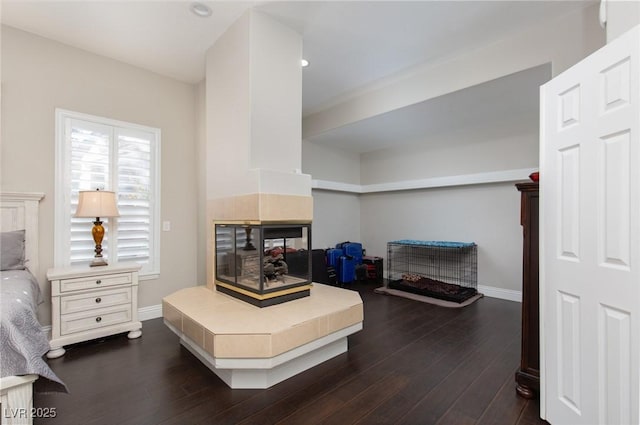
(98, 262)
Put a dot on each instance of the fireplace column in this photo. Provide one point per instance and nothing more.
(254, 127)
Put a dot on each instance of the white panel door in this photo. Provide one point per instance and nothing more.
(590, 239)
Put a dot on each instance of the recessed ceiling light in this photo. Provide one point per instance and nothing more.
(200, 9)
(304, 63)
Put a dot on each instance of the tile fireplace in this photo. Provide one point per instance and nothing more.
(263, 264)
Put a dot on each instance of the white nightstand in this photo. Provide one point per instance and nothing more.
(92, 302)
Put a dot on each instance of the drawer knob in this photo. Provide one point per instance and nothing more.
(98, 300)
(98, 282)
(98, 319)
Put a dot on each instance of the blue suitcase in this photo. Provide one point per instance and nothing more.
(347, 269)
(333, 257)
(353, 249)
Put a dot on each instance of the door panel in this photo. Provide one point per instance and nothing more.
(568, 378)
(614, 335)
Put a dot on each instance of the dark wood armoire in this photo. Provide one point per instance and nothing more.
(528, 375)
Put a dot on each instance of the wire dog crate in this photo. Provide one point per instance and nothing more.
(439, 269)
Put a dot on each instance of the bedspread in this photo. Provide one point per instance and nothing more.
(23, 343)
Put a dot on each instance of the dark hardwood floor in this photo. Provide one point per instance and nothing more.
(413, 363)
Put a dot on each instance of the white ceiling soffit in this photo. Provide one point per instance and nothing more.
(352, 44)
(498, 108)
(161, 36)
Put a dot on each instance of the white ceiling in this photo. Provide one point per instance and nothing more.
(161, 36)
(349, 43)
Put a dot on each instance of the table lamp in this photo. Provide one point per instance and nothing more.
(97, 203)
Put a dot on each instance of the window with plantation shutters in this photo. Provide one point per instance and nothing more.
(98, 153)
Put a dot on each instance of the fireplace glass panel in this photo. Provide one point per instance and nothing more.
(263, 258)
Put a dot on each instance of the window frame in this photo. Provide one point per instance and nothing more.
(62, 209)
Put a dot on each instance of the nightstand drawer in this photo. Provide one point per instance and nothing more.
(94, 300)
(94, 319)
(100, 281)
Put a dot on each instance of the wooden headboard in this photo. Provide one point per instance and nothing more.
(19, 210)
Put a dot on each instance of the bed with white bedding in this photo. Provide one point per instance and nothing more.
(23, 343)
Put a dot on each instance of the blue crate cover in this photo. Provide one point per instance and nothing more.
(439, 244)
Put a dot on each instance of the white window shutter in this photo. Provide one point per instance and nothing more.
(90, 169)
(135, 196)
(98, 153)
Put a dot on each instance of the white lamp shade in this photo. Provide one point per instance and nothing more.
(97, 203)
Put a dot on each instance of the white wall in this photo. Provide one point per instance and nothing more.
(486, 214)
(326, 163)
(336, 218)
(447, 155)
(39, 75)
(621, 15)
(336, 215)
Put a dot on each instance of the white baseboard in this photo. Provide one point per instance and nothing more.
(503, 294)
(150, 312)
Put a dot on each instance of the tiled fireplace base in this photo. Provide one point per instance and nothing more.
(251, 347)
